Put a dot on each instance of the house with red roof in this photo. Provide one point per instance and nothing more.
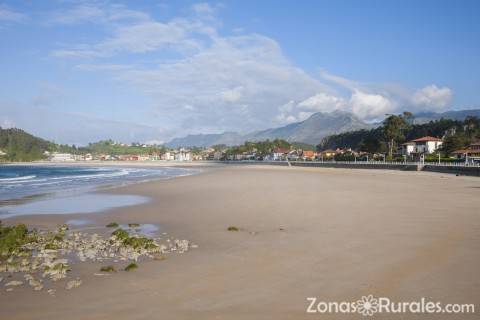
(470, 154)
(308, 155)
(421, 145)
(280, 153)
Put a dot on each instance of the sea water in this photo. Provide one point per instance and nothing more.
(35, 189)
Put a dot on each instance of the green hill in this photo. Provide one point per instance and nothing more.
(459, 134)
(18, 145)
(110, 147)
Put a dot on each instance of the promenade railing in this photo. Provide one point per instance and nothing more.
(361, 162)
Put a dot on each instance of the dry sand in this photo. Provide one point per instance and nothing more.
(335, 234)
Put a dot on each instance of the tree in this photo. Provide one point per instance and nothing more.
(280, 143)
(219, 147)
(394, 128)
(471, 125)
(370, 144)
(409, 117)
(452, 143)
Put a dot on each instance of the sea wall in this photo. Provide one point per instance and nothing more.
(353, 165)
(461, 170)
(358, 165)
(468, 171)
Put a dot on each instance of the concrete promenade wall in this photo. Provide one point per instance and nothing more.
(462, 170)
(382, 166)
(468, 171)
(353, 165)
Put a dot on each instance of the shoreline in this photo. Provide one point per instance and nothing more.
(472, 170)
(98, 163)
(98, 189)
(333, 233)
(120, 189)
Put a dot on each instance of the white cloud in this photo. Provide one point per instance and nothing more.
(232, 95)
(7, 123)
(371, 101)
(323, 102)
(285, 113)
(95, 13)
(204, 8)
(76, 128)
(370, 106)
(250, 69)
(8, 15)
(213, 82)
(133, 32)
(145, 37)
(433, 97)
(341, 81)
(367, 106)
(76, 15)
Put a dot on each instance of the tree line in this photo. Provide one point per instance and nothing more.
(397, 129)
(18, 145)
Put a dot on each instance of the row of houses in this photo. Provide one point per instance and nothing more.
(292, 155)
(279, 154)
(429, 145)
(175, 155)
(424, 145)
(412, 149)
(470, 154)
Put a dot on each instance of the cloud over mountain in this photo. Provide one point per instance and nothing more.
(433, 97)
(218, 82)
(198, 77)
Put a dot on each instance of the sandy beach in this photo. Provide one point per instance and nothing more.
(335, 234)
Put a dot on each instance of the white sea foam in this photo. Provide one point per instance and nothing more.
(122, 172)
(17, 178)
(79, 180)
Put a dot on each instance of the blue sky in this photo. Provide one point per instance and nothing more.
(80, 71)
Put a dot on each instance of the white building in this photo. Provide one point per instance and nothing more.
(279, 154)
(143, 157)
(421, 145)
(168, 156)
(61, 157)
(217, 155)
(183, 156)
(408, 148)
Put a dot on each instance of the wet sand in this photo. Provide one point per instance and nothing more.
(335, 234)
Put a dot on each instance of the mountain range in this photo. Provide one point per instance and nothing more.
(459, 115)
(311, 131)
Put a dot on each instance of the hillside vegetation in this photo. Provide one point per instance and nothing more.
(458, 135)
(110, 147)
(22, 146)
(18, 145)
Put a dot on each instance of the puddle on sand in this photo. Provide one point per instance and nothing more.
(146, 229)
(79, 222)
(83, 203)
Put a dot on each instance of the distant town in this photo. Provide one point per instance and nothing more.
(415, 150)
(398, 139)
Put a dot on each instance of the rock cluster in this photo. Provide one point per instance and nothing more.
(45, 257)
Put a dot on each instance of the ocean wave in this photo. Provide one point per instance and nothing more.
(7, 180)
(79, 180)
(45, 183)
(122, 172)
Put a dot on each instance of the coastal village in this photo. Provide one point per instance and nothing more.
(239, 160)
(398, 139)
(415, 150)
